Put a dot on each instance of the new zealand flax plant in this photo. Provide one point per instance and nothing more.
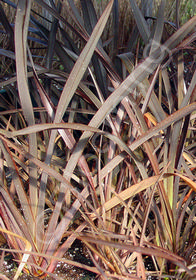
(99, 146)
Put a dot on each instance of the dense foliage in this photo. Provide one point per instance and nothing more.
(97, 137)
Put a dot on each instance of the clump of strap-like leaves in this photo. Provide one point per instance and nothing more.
(97, 138)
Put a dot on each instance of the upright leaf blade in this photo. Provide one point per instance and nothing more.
(141, 23)
(21, 30)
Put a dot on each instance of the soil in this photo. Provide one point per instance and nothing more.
(63, 271)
